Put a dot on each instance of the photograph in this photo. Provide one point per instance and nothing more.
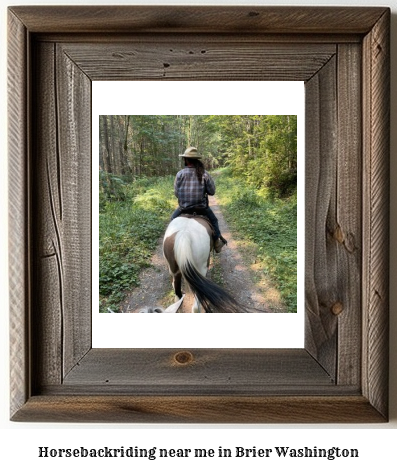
(198, 213)
(246, 214)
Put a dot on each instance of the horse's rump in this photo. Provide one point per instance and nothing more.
(188, 239)
(186, 247)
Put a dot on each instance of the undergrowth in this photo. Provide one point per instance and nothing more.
(131, 224)
(271, 227)
(129, 229)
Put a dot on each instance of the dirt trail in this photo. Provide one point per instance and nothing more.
(229, 269)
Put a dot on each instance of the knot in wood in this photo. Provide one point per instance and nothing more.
(337, 308)
(183, 358)
(338, 235)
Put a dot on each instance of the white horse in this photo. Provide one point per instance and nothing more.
(173, 308)
(187, 245)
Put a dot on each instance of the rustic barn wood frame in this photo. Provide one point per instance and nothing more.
(342, 54)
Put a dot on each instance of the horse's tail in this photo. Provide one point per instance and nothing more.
(212, 297)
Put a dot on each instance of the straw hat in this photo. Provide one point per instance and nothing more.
(191, 153)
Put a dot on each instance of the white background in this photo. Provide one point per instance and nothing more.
(20, 441)
(250, 330)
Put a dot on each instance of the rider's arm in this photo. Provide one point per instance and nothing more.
(209, 184)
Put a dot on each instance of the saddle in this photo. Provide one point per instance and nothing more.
(220, 242)
(194, 215)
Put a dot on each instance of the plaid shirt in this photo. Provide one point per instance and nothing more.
(189, 191)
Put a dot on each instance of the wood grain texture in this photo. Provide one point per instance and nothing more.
(19, 225)
(62, 206)
(246, 370)
(204, 60)
(199, 409)
(321, 277)
(199, 19)
(376, 91)
(341, 376)
(74, 109)
(333, 215)
(48, 303)
(347, 226)
(155, 39)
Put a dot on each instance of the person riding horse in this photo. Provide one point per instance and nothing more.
(192, 186)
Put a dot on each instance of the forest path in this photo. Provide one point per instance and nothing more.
(229, 269)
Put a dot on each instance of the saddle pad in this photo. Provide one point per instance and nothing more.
(198, 216)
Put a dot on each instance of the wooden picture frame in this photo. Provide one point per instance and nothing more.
(342, 54)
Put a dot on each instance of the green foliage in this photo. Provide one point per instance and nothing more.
(262, 148)
(111, 187)
(152, 200)
(129, 230)
(270, 224)
(136, 198)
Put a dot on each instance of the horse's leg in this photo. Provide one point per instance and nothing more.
(168, 250)
(196, 306)
(177, 284)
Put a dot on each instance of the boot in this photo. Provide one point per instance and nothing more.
(219, 243)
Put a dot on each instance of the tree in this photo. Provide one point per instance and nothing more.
(261, 148)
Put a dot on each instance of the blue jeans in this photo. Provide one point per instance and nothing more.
(202, 212)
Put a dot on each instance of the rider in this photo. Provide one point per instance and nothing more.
(192, 186)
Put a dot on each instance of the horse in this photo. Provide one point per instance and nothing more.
(187, 246)
(159, 309)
